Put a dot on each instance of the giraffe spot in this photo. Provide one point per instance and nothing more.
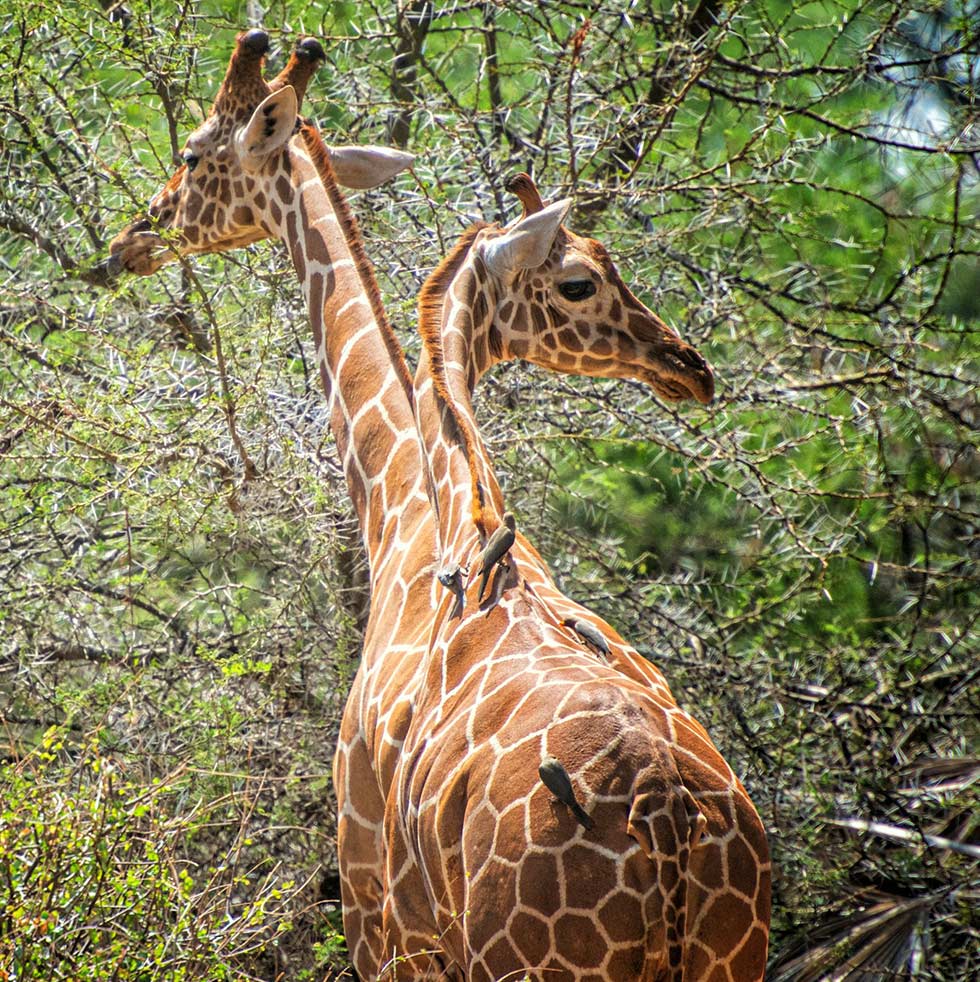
(480, 311)
(493, 890)
(570, 340)
(495, 342)
(615, 310)
(242, 215)
(355, 838)
(276, 212)
(372, 437)
(531, 936)
(259, 200)
(627, 349)
(469, 286)
(510, 830)
(478, 831)
(605, 331)
(538, 318)
(519, 324)
(699, 959)
(665, 840)
(316, 250)
(502, 961)
(506, 309)
(578, 941)
(601, 348)
(730, 919)
(538, 884)
(519, 349)
(283, 188)
(193, 207)
(627, 964)
(622, 918)
(751, 958)
(207, 214)
(589, 877)
(640, 325)
(743, 867)
(707, 866)
(211, 188)
(670, 877)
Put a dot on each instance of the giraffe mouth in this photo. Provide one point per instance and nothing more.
(680, 373)
(677, 390)
(138, 251)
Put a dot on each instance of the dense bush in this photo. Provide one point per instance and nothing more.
(794, 186)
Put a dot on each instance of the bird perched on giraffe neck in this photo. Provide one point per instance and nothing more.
(452, 579)
(498, 545)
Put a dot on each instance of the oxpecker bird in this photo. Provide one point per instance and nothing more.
(496, 548)
(452, 579)
(589, 633)
(557, 781)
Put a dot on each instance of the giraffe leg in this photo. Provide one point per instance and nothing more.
(360, 847)
(413, 946)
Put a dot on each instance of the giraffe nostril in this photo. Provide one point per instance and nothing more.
(256, 41)
(692, 358)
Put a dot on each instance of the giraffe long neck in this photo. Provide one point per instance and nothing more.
(361, 366)
(459, 348)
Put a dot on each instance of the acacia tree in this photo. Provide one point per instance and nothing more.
(796, 188)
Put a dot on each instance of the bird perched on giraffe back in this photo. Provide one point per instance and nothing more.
(555, 778)
(498, 545)
(591, 636)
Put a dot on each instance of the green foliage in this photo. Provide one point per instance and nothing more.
(793, 186)
(95, 883)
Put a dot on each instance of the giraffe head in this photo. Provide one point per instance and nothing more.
(562, 305)
(234, 164)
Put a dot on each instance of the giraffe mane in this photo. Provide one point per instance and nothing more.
(320, 157)
(431, 304)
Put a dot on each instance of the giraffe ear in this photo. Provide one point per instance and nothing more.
(271, 125)
(368, 166)
(527, 243)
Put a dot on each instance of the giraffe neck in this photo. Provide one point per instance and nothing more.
(461, 344)
(361, 366)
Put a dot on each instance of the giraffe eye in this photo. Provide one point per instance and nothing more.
(577, 289)
(190, 159)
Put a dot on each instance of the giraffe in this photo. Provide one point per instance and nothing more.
(666, 873)
(254, 170)
(248, 176)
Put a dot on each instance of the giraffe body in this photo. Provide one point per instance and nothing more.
(454, 862)
(672, 880)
